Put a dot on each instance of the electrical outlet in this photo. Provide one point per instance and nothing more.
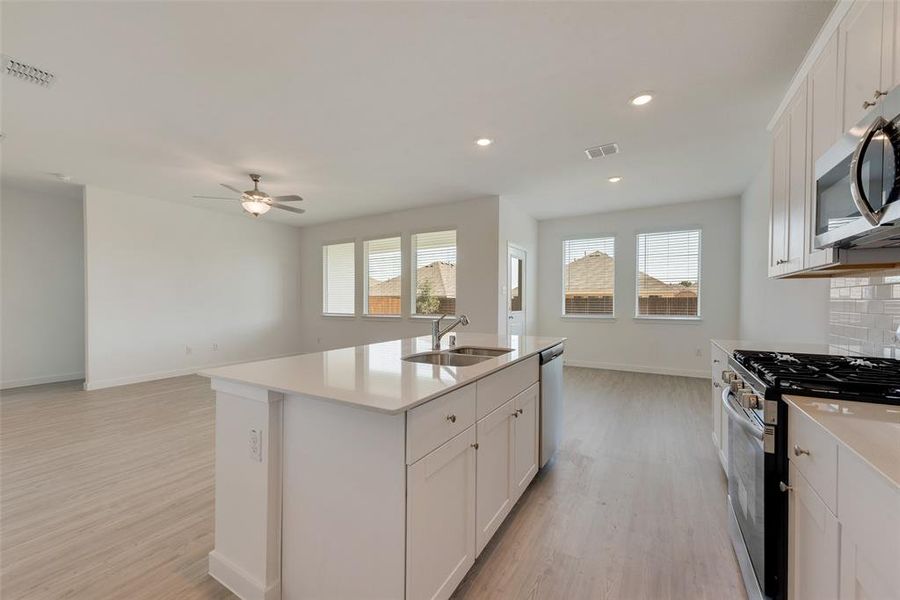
(255, 444)
(188, 350)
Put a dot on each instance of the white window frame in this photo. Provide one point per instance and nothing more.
(587, 236)
(413, 260)
(365, 275)
(325, 279)
(637, 272)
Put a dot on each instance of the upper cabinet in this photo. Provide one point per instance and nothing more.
(863, 58)
(853, 63)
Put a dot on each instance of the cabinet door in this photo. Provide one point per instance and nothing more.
(778, 209)
(496, 458)
(440, 524)
(797, 182)
(526, 424)
(813, 544)
(859, 579)
(861, 37)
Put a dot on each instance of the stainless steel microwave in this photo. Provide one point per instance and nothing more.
(858, 183)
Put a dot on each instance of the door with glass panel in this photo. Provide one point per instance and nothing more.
(515, 305)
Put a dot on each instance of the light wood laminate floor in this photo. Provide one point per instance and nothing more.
(109, 494)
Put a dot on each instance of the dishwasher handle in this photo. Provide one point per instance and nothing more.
(552, 353)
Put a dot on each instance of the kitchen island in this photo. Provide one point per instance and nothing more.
(356, 473)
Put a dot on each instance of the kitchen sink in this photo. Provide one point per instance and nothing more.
(446, 359)
(475, 351)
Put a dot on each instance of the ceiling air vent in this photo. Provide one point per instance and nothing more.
(601, 151)
(26, 72)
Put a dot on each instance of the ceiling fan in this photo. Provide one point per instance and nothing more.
(255, 202)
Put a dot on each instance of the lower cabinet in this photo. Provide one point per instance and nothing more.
(440, 508)
(860, 580)
(527, 438)
(813, 542)
(495, 481)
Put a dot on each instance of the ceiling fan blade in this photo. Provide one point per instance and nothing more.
(299, 211)
(290, 198)
(216, 198)
(232, 188)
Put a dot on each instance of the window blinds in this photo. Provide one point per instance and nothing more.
(668, 278)
(589, 273)
(383, 276)
(338, 279)
(434, 280)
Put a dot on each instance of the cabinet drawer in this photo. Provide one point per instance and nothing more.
(431, 424)
(718, 362)
(497, 388)
(813, 451)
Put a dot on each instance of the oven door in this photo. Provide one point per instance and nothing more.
(746, 492)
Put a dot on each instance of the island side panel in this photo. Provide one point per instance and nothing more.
(247, 554)
(344, 501)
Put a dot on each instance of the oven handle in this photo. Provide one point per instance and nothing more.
(856, 164)
(740, 418)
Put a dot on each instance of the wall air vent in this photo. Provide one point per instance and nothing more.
(601, 151)
(27, 72)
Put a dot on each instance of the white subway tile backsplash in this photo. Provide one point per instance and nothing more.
(864, 313)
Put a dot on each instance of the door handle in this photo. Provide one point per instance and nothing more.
(857, 193)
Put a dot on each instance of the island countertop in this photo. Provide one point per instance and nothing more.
(375, 376)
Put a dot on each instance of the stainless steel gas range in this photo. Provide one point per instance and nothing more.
(757, 445)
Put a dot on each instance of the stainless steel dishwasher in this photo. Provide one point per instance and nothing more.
(551, 401)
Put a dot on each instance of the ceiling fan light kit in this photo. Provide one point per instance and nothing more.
(256, 202)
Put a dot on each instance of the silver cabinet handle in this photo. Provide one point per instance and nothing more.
(780, 261)
(800, 451)
(868, 104)
(879, 94)
(715, 361)
(785, 487)
(451, 418)
(475, 445)
(517, 413)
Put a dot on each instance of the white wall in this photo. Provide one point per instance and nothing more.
(656, 346)
(774, 310)
(520, 229)
(476, 222)
(42, 289)
(161, 276)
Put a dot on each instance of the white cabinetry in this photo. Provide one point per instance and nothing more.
(813, 544)
(527, 438)
(441, 518)
(719, 363)
(496, 461)
(790, 189)
(861, 40)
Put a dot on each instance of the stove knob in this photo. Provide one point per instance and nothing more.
(737, 385)
(727, 376)
(749, 399)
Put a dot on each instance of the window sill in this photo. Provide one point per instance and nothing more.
(589, 317)
(339, 315)
(668, 319)
(379, 317)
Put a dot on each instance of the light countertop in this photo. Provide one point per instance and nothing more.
(730, 346)
(375, 376)
(872, 431)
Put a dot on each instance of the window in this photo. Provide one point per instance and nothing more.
(383, 276)
(339, 279)
(589, 276)
(434, 275)
(668, 278)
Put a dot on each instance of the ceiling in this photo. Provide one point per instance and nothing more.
(368, 107)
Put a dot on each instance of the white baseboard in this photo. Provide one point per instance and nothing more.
(17, 383)
(94, 384)
(239, 581)
(588, 364)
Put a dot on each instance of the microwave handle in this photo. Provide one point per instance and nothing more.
(856, 165)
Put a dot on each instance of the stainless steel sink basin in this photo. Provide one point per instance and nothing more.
(476, 351)
(446, 359)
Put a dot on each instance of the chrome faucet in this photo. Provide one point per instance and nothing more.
(437, 333)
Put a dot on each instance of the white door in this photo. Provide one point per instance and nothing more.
(440, 512)
(515, 303)
(526, 467)
(813, 544)
(494, 481)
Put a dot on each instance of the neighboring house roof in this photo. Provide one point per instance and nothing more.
(441, 275)
(591, 275)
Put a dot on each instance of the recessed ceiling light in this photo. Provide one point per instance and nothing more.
(641, 99)
(484, 142)
(615, 179)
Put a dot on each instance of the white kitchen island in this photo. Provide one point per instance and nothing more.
(353, 473)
